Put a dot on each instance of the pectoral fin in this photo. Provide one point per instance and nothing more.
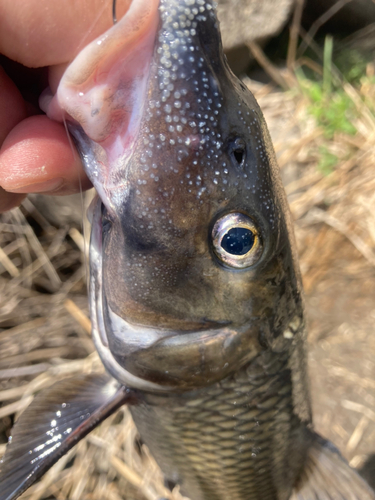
(327, 476)
(55, 421)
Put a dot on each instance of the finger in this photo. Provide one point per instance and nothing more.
(37, 157)
(12, 106)
(13, 110)
(47, 32)
(9, 200)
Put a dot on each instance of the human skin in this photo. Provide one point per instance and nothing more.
(36, 155)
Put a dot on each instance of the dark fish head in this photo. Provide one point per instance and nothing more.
(192, 268)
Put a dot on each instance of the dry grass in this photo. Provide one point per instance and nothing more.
(44, 325)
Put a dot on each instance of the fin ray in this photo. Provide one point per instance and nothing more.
(327, 476)
(55, 421)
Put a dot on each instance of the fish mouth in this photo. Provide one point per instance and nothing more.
(161, 360)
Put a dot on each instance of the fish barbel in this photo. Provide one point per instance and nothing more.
(195, 291)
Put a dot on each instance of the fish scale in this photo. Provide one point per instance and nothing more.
(230, 440)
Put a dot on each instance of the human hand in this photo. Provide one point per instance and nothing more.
(36, 155)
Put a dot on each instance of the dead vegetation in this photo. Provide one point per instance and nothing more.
(45, 330)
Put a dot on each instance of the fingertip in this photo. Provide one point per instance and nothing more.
(38, 156)
(44, 33)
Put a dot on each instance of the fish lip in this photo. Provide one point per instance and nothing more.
(141, 336)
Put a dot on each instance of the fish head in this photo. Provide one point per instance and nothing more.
(193, 272)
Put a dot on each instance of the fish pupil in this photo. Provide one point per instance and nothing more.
(238, 241)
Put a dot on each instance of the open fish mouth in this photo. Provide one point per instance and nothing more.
(161, 360)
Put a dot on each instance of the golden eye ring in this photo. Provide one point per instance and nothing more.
(236, 240)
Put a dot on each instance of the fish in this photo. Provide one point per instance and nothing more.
(195, 291)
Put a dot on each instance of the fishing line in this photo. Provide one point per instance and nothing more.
(114, 12)
(101, 12)
(85, 226)
(85, 231)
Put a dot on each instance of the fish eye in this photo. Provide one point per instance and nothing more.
(238, 152)
(236, 240)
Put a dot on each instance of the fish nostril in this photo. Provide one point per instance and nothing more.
(239, 155)
(238, 151)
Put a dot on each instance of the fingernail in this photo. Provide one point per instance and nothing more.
(39, 187)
